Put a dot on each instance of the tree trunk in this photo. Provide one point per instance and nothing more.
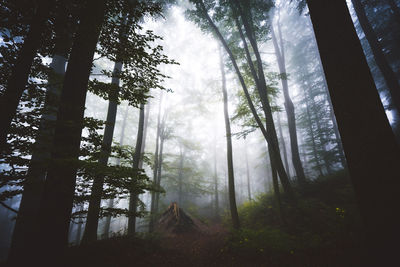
(146, 123)
(216, 192)
(107, 224)
(310, 128)
(285, 157)
(289, 107)
(59, 190)
(270, 140)
(133, 199)
(387, 72)
(155, 170)
(331, 112)
(259, 79)
(159, 172)
(26, 224)
(16, 83)
(372, 153)
(92, 221)
(231, 178)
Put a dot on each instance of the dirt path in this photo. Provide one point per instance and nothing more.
(195, 249)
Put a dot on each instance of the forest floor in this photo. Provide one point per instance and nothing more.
(189, 249)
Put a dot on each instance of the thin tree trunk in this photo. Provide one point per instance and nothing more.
(59, 191)
(269, 132)
(387, 72)
(310, 128)
(146, 123)
(271, 141)
(16, 83)
(26, 224)
(289, 107)
(92, 221)
(285, 157)
(362, 124)
(155, 170)
(159, 172)
(231, 178)
(133, 199)
(107, 224)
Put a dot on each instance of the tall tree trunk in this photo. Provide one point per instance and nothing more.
(56, 207)
(159, 172)
(231, 178)
(92, 221)
(133, 199)
(155, 170)
(285, 157)
(16, 83)
(310, 128)
(372, 153)
(259, 79)
(289, 107)
(26, 225)
(387, 72)
(107, 224)
(269, 138)
(146, 123)
(331, 112)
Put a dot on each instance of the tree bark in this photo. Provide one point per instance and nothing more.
(285, 157)
(372, 153)
(16, 83)
(269, 132)
(107, 224)
(159, 169)
(146, 123)
(92, 221)
(57, 201)
(155, 170)
(26, 224)
(289, 107)
(133, 199)
(231, 178)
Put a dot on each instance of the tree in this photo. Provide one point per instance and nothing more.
(135, 164)
(368, 141)
(231, 178)
(27, 224)
(387, 72)
(18, 79)
(289, 107)
(269, 131)
(56, 207)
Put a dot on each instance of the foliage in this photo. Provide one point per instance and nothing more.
(123, 40)
(325, 219)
